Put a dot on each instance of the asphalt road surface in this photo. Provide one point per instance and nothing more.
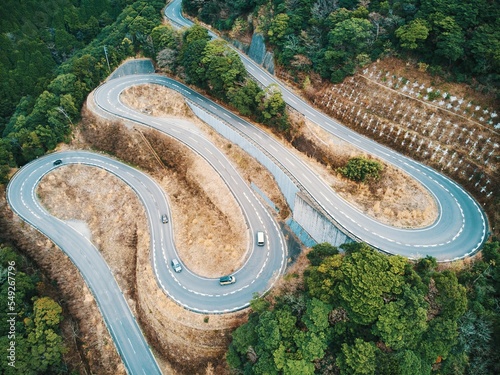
(21, 195)
(461, 227)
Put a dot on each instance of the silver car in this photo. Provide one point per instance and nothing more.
(176, 265)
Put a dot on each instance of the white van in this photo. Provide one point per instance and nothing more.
(260, 238)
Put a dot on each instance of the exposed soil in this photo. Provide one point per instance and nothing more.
(448, 126)
(91, 349)
(187, 343)
(395, 199)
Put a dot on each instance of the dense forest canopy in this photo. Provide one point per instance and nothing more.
(37, 36)
(460, 38)
(362, 312)
(216, 68)
(52, 57)
(30, 325)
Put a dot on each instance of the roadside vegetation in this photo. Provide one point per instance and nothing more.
(30, 333)
(54, 56)
(455, 38)
(216, 68)
(361, 312)
(361, 169)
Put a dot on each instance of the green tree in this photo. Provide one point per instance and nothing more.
(409, 363)
(194, 33)
(402, 322)
(360, 169)
(268, 331)
(278, 28)
(353, 35)
(316, 315)
(39, 346)
(243, 98)
(413, 32)
(357, 359)
(321, 251)
(321, 280)
(450, 39)
(485, 46)
(195, 40)
(369, 278)
(438, 340)
(222, 68)
(272, 108)
(46, 345)
(164, 36)
(190, 59)
(451, 295)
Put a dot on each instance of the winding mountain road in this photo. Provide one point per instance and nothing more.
(461, 227)
(460, 230)
(22, 197)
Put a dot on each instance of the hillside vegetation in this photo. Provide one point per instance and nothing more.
(30, 329)
(460, 38)
(362, 312)
(54, 56)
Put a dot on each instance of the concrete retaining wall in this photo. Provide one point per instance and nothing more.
(315, 224)
(305, 213)
(285, 183)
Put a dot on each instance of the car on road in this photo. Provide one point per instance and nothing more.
(164, 219)
(57, 162)
(260, 238)
(226, 280)
(176, 265)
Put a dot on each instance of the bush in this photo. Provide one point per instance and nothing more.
(360, 169)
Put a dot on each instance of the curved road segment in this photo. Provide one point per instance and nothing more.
(261, 269)
(21, 194)
(461, 227)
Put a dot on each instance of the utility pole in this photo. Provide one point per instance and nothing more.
(107, 60)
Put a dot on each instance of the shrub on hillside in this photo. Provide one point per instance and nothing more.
(360, 169)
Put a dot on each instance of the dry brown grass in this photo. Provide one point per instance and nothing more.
(85, 327)
(156, 100)
(188, 343)
(395, 199)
